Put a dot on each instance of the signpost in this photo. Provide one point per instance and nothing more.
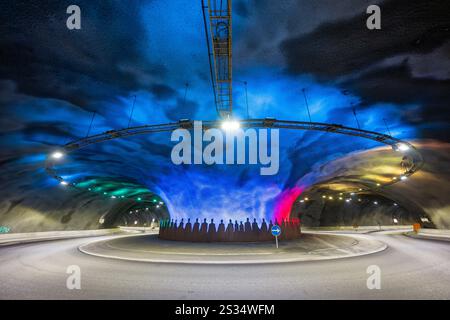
(276, 231)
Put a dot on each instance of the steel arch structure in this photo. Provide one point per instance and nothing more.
(417, 160)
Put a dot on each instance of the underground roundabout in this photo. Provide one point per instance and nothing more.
(118, 182)
(308, 247)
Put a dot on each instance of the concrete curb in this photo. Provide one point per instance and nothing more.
(381, 247)
(19, 238)
(425, 236)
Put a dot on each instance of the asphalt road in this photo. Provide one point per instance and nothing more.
(410, 269)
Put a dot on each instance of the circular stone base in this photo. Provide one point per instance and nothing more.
(310, 247)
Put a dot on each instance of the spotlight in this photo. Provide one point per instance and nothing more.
(306, 198)
(135, 221)
(139, 199)
(403, 178)
(395, 220)
(113, 197)
(375, 202)
(57, 155)
(230, 125)
(402, 147)
(395, 204)
(157, 206)
(161, 202)
(352, 194)
(340, 198)
(64, 183)
(348, 200)
(324, 197)
(331, 198)
(302, 201)
(378, 184)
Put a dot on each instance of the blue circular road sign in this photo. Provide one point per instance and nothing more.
(276, 230)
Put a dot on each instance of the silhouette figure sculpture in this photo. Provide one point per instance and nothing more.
(263, 234)
(242, 231)
(229, 231)
(188, 230)
(196, 231)
(255, 230)
(221, 231)
(204, 229)
(248, 230)
(212, 233)
(181, 227)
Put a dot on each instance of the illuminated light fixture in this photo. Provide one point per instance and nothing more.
(360, 189)
(161, 202)
(352, 194)
(394, 178)
(135, 221)
(302, 201)
(402, 147)
(105, 192)
(331, 198)
(306, 198)
(375, 202)
(89, 189)
(378, 184)
(64, 183)
(424, 219)
(340, 194)
(113, 197)
(157, 205)
(131, 211)
(324, 197)
(57, 155)
(395, 204)
(137, 210)
(395, 220)
(359, 200)
(154, 200)
(230, 125)
(340, 198)
(139, 199)
(403, 178)
(122, 196)
(348, 200)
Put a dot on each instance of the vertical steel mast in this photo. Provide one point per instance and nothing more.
(220, 32)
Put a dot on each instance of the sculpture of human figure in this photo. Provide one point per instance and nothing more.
(221, 231)
(241, 233)
(204, 230)
(212, 233)
(255, 228)
(229, 231)
(196, 231)
(188, 230)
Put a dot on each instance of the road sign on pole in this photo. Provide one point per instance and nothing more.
(276, 231)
